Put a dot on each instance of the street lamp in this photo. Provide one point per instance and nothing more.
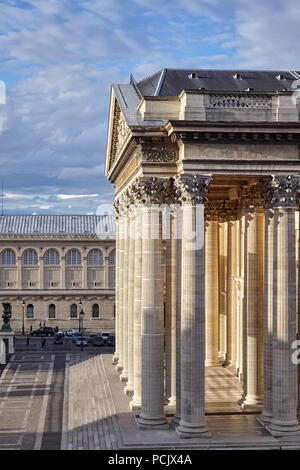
(81, 316)
(23, 325)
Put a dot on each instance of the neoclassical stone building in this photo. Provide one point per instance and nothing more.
(207, 163)
(54, 266)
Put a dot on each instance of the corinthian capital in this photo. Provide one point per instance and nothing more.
(153, 191)
(191, 189)
(280, 191)
(222, 211)
(250, 197)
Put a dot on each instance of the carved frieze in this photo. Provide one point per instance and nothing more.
(159, 153)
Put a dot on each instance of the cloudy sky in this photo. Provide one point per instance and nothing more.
(58, 59)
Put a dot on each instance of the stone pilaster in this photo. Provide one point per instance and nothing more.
(281, 193)
(63, 272)
(190, 192)
(153, 192)
(41, 272)
(84, 272)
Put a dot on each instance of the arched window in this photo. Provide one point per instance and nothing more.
(8, 257)
(95, 311)
(52, 258)
(52, 311)
(73, 311)
(30, 258)
(74, 258)
(112, 258)
(95, 258)
(30, 311)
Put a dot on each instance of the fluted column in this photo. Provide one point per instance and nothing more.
(152, 410)
(115, 358)
(268, 315)
(170, 326)
(222, 280)
(190, 190)
(136, 401)
(124, 374)
(281, 198)
(253, 301)
(211, 293)
(231, 330)
(130, 304)
(120, 261)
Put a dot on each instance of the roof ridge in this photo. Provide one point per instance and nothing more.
(151, 76)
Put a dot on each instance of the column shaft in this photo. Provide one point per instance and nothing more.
(130, 304)
(152, 413)
(120, 263)
(124, 375)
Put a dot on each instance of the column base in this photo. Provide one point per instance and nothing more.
(152, 423)
(124, 376)
(129, 389)
(264, 418)
(170, 401)
(115, 359)
(135, 404)
(176, 420)
(188, 430)
(250, 401)
(284, 428)
(119, 367)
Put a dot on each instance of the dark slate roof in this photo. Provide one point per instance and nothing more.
(171, 82)
(102, 226)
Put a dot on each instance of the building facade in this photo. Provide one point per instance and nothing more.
(207, 162)
(53, 267)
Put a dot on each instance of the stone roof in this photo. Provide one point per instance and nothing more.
(171, 82)
(102, 226)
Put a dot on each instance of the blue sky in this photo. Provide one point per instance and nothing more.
(58, 59)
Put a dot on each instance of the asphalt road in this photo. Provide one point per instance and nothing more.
(35, 344)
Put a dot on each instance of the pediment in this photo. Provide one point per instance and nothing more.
(119, 134)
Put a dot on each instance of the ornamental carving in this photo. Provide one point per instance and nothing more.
(123, 132)
(280, 191)
(250, 197)
(221, 211)
(164, 153)
(191, 189)
(153, 191)
(120, 133)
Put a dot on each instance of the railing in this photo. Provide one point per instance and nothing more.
(231, 101)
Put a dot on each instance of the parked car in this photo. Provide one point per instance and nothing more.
(105, 334)
(91, 337)
(110, 341)
(80, 340)
(98, 341)
(69, 332)
(43, 331)
(76, 336)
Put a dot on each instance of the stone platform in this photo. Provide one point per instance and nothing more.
(77, 402)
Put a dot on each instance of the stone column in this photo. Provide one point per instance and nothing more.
(281, 197)
(120, 310)
(190, 190)
(177, 416)
(124, 374)
(170, 326)
(152, 410)
(268, 316)
(211, 292)
(130, 304)
(19, 272)
(231, 330)
(253, 302)
(136, 401)
(222, 279)
(115, 358)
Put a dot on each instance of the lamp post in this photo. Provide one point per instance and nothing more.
(81, 318)
(23, 324)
